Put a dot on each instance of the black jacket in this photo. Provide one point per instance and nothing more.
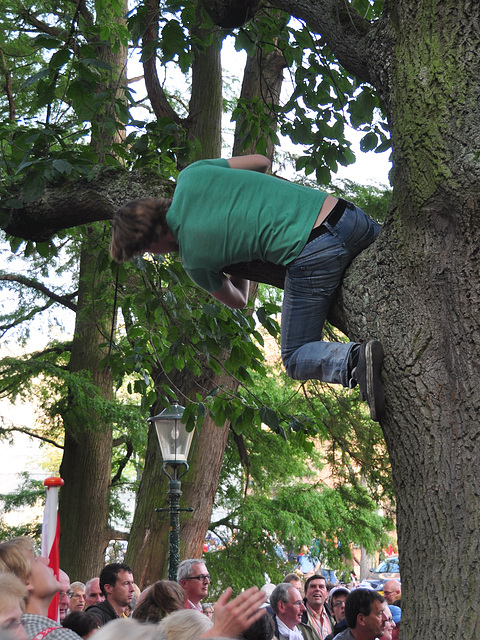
(340, 626)
(103, 611)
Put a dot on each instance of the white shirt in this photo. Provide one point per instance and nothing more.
(286, 632)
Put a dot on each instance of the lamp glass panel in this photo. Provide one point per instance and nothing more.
(174, 439)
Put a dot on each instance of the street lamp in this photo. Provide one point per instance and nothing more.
(174, 441)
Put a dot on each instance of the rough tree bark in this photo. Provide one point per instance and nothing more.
(417, 289)
(87, 457)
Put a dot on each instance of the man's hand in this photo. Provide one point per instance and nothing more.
(232, 618)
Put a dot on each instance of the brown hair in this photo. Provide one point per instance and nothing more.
(136, 225)
(164, 596)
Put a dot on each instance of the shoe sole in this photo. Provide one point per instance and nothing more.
(373, 366)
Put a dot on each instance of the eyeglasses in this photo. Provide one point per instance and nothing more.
(297, 603)
(338, 604)
(202, 577)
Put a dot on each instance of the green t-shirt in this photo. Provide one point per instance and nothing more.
(220, 216)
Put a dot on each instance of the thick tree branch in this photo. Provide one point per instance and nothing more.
(66, 301)
(75, 203)
(158, 99)
(123, 462)
(115, 534)
(41, 26)
(342, 27)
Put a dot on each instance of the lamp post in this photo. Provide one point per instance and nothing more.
(174, 441)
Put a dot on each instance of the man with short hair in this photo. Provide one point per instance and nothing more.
(389, 624)
(317, 622)
(193, 577)
(392, 591)
(294, 579)
(116, 584)
(63, 595)
(365, 615)
(93, 593)
(18, 556)
(337, 598)
(287, 604)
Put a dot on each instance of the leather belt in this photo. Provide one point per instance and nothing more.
(333, 217)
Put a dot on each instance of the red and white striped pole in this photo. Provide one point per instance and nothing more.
(51, 536)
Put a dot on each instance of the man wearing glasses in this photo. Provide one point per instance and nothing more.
(193, 577)
(337, 598)
(287, 604)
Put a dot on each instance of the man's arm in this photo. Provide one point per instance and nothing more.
(234, 292)
(255, 162)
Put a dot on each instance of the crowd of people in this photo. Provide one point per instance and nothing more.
(112, 607)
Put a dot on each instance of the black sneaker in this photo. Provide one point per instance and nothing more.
(367, 374)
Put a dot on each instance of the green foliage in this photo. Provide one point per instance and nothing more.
(30, 493)
(274, 504)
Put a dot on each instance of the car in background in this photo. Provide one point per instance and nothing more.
(387, 569)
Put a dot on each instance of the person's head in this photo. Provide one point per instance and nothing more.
(295, 580)
(286, 601)
(18, 556)
(364, 613)
(389, 624)
(316, 592)
(184, 625)
(77, 596)
(194, 578)
(161, 598)
(338, 595)
(392, 590)
(261, 629)
(268, 589)
(396, 613)
(127, 629)
(63, 594)
(93, 593)
(137, 225)
(13, 596)
(82, 622)
(116, 583)
(207, 609)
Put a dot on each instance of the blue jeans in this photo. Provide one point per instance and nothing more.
(329, 574)
(310, 286)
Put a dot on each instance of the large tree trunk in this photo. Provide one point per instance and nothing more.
(87, 457)
(417, 289)
(429, 258)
